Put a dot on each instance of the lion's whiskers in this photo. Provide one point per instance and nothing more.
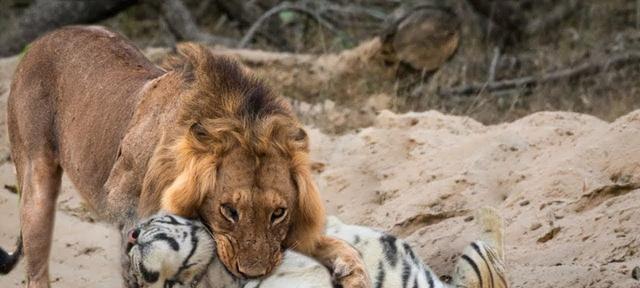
(294, 245)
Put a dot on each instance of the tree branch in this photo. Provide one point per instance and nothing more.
(585, 69)
(559, 13)
(494, 65)
(284, 6)
(183, 26)
(509, 15)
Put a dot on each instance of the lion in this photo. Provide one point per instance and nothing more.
(200, 138)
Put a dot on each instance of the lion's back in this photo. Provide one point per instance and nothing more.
(74, 93)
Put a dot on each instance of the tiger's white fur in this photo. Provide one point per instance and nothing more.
(390, 261)
(170, 251)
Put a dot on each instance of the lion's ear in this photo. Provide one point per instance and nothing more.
(192, 57)
(298, 140)
(309, 219)
(299, 135)
(199, 133)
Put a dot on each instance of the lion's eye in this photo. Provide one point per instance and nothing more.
(277, 215)
(229, 212)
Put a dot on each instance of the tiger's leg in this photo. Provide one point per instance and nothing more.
(482, 263)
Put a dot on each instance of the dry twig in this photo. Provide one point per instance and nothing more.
(509, 15)
(555, 16)
(494, 65)
(284, 6)
(183, 26)
(588, 68)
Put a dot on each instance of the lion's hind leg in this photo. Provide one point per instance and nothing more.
(41, 185)
(35, 155)
(482, 263)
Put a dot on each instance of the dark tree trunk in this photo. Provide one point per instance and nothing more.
(512, 16)
(46, 15)
(183, 26)
(239, 11)
(248, 12)
(506, 14)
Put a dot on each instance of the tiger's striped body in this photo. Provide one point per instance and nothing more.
(391, 263)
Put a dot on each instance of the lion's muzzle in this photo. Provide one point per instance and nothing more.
(251, 270)
(256, 259)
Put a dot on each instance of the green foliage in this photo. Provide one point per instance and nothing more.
(24, 50)
(287, 17)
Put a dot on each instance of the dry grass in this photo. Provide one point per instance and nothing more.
(597, 29)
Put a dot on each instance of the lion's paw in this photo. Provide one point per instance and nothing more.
(350, 273)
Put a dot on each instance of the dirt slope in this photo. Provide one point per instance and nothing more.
(567, 185)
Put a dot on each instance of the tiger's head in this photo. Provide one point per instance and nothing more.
(169, 251)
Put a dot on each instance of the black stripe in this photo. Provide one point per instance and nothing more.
(172, 221)
(380, 276)
(477, 248)
(194, 245)
(429, 277)
(172, 242)
(504, 281)
(390, 250)
(474, 266)
(406, 272)
(172, 282)
(408, 250)
(148, 276)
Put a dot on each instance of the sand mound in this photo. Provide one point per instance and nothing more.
(567, 185)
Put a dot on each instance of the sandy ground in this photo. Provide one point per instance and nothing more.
(567, 185)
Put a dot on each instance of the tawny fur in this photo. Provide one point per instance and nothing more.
(135, 138)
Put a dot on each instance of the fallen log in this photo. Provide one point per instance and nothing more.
(46, 15)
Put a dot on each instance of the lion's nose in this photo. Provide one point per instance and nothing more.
(251, 271)
(132, 236)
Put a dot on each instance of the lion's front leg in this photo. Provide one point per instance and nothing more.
(346, 265)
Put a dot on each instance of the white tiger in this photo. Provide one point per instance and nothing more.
(169, 251)
(390, 261)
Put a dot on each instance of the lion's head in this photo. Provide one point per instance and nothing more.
(238, 159)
